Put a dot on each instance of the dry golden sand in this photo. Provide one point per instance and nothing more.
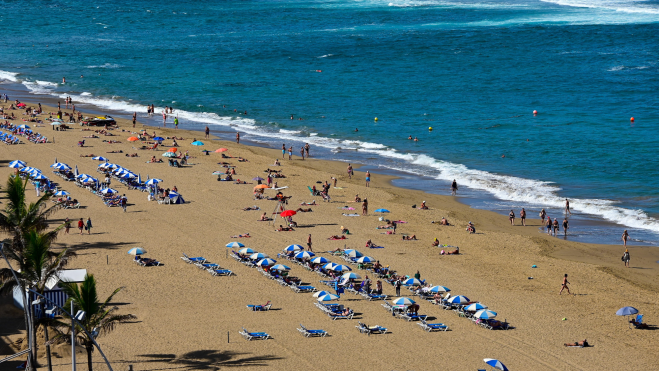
(184, 314)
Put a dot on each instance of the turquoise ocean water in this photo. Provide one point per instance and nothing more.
(472, 70)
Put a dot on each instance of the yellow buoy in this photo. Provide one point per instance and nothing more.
(376, 119)
(430, 128)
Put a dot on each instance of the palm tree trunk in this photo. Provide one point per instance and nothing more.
(45, 334)
(34, 333)
(90, 349)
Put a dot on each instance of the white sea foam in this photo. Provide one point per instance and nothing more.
(39, 87)
(612, 5)
(616, 68)
(106, 65)
(510, 188)
(8, 76)
(325, 56)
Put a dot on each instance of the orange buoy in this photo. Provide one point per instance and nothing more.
(632, 119)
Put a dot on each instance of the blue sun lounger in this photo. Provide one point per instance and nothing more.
(260, 308)
(254, 335)
(208, 266)
(364, 329)
(432, 326)
(311, 333)
(221, 272)
(413, 317)
(303, 288)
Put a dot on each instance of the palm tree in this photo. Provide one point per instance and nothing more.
(37, 264)
(99, 318)
(20, 217)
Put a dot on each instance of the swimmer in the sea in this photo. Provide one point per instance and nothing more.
(410, 137)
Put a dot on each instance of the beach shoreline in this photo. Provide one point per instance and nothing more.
(494, 267)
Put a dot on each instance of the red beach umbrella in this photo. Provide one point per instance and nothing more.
(288, 213)
(173, 150)
(221, 150)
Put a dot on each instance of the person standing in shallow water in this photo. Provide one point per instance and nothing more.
(522, 216)
(368, 178)
(454, 188)
(625, 237)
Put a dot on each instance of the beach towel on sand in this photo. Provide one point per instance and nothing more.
(350, 214)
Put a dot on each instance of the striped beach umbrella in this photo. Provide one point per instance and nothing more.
(18, 164)
(280, 267)
(258, 256)
(341, 268)
(293, 248)
(458, 300)
(365, 259)
(351, 276)
(403, 301)
(475, 307)
(266, 262)
(246, 251)
(304, 255)
(100, 158)
(496, 364)
(137, 251)
(412, 282)
(328, 297)
(319, 260)
(153, 181)
(353, 253)
(108, 191)
(39, 177)
(329, 266)
(61, 193)
(320, 293)
(439, 289)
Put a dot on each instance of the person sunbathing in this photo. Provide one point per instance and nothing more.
(357, 198)
(238, 181)
(132, 155)
(335, 237)
(471, 228)
(246, 235)
(337, 251)
(112, 141)
(444, 221)
(89, 155)
(454, 252)
(583, 343)
(119, 151)
(91, 136)
(409, 238)
(369, 243)
(264, 218)
(385, 227)
(240, 159)
(344, 230)
(276, 162)
(423, 206)
(248, 208)
(309, 203)
(284, 229)
(301, 210)
(435, 242)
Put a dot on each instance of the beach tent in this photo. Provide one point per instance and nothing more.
(175, 198)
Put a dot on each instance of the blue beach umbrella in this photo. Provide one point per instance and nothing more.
(137, 251)
(108, 191)
(61, 193)
(234, 244)
(320, 293)
(485, 314)
(258, 256)
(353, 253)
(382, 211)
(341, 268)
(319, 260)
(65, 166)
(294, 248)
(280, 267)
(496, 364)
(23, 126)
(89, 180)
(329, 266)
(365, 259)
(475, 307)
(104, 165)
(304, 255)
(100, 158)
(79, 176)
(328, 297)
(139, 178)
(627, 311)
(114, 166)
(39, 177)
(412, 282)
(153, 181)
(458, 300)
(18, 164)
(351, 276)
(197, 143)
(403, 301)
(266, 262)
(439, 289)
(159, 139)
(246, 250)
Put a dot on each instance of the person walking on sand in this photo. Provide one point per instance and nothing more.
(417, 275)
(124, 203)
(625, 236)
(454, 188)
(283, 151)
(548, 225)
(567, 207)
(542, 215)
(89, 225)
(81, 225)
(522, 216)
(349, 171)
(306, 148)
(555, 226)
(511, 216)
(625, 258)
(365, 207)
(397, 285)
(237, 138)
(302, 153)
(67, 225)
(564, 285)
(134, 118)
(368, 178)
(207, 132)
(309, 243)
(565, 226)
(290, 152)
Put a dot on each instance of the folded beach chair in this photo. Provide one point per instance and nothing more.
(311, 333)
(364, 329)
(221, 272)
(432, 326)
(260, 308)
(299, 289)
(254, 335)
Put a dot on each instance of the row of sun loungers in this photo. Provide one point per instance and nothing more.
(202, 263)
(265, 336)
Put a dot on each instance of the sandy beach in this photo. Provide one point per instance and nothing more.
(188, 319)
